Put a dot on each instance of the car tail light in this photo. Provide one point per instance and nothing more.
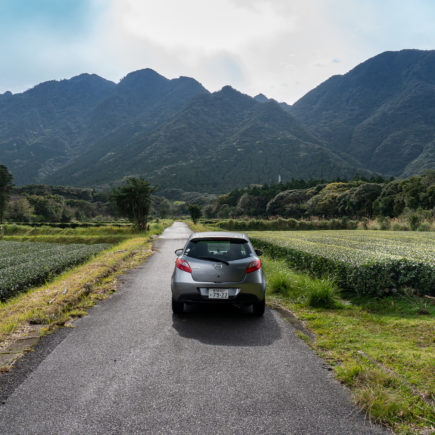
(183, 265)
(253, 266)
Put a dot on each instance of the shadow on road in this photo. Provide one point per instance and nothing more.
(226, 325)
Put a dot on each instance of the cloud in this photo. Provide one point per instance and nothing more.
(257, 46)
(278, 47)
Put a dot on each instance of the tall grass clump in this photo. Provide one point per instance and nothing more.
(323, 294)
(299, 287)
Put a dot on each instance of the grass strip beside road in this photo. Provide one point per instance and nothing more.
(382, 348)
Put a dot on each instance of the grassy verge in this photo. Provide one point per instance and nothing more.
(383, 349)
(198, 227)
(89, 235)
(71, 293)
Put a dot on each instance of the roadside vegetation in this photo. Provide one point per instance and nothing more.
(69, 294)
(381, 347)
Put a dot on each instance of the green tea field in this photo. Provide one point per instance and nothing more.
(23, 264)
(360, 261)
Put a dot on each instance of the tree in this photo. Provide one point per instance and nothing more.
(362, 198)
(161, 207)
(19, 210)
(133, 200)
(48, 208)
(5, 189)
(195, 212)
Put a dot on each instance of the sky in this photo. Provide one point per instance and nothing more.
(281, 48)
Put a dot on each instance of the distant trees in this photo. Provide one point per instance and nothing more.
(5, 189)
(161, 207)
(49, 208)
(195, 212)
(133, 200)
(19, 210)
(359, 198)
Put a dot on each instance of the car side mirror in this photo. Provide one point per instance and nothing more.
(259, 252)
(178, 252)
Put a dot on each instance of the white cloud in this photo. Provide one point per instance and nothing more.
(197, 24)
(282, 48)
(257, 46)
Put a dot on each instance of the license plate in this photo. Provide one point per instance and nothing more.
(218, 293)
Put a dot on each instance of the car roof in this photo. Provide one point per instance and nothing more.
(219, 235)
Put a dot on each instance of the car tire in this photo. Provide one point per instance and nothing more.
(177, 307)
(259, 308)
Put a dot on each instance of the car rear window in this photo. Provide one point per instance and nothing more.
(222, 249)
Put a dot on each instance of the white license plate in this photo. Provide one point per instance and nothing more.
(218, 293)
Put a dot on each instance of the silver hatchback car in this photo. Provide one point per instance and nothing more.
(218, 267)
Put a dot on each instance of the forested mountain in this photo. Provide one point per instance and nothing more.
(47, 126)
(215, 142)
(380, 115)
(87, 131)
(41, 127)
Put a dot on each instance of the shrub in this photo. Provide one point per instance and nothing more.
(322, 294)
(280, 282)
(414, 220)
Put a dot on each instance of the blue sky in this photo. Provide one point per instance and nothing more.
(282, 48)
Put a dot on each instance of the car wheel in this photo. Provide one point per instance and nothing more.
(177, 307)
(259, 308)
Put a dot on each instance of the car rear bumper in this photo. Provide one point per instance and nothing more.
(250, 291)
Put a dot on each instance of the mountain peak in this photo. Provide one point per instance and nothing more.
(261, 98)
(143, 77)
(87, 76)
(229, 91)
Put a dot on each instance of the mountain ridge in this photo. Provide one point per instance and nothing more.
(377, 118)
(381, 112)
(208, 146)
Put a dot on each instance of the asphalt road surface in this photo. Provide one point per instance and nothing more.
(130, 366)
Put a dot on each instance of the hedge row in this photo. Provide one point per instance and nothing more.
(71, 224)
(373, 278)
(285, 224)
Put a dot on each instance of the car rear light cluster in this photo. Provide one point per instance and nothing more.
(183, 265)
(253, 266)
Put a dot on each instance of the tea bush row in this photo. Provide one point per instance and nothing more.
(368, 267)
(23, 265)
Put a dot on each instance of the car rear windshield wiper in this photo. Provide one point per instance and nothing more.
(214, 259)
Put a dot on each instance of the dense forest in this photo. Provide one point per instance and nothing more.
(358, 198)
(39, 203)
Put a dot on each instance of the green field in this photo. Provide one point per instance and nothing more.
(372, 322)
(366, 262)
(23, 264)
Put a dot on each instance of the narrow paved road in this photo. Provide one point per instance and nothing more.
(131, 367)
